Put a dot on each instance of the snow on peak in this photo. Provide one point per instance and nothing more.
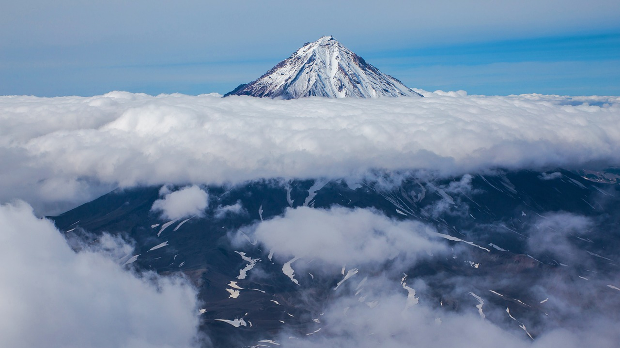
(324, 68)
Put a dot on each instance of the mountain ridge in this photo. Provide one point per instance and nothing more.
(324, 68)
(501, 231)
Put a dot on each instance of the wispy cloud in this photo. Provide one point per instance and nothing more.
(383, 300)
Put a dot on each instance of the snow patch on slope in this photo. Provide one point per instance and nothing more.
(324, 68)
(288, 270)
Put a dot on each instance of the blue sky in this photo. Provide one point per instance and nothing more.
(71, 47)
(551, 65)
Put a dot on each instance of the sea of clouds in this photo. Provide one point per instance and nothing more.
(61, 152)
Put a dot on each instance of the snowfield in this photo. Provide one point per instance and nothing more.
(324, 68)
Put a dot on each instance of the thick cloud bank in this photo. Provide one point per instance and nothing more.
(69, 149)
(51, 296)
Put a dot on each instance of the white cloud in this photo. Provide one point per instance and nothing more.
(186, 202)
(70, 149)
(437, 22)
(342, 236)
(550, 176)
(554, 233)
(373, 309)
(129, 139)
(349, 321)
(222, 211)
(51, 296)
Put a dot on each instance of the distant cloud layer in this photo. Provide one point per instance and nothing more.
(66, 47)
(51, 296)
(436, 20)
(70, 149)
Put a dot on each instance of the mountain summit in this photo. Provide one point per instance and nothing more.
(324, 68)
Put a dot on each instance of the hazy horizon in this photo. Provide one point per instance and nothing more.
(193, 48)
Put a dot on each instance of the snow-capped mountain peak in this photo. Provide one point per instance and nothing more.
(324, 68)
